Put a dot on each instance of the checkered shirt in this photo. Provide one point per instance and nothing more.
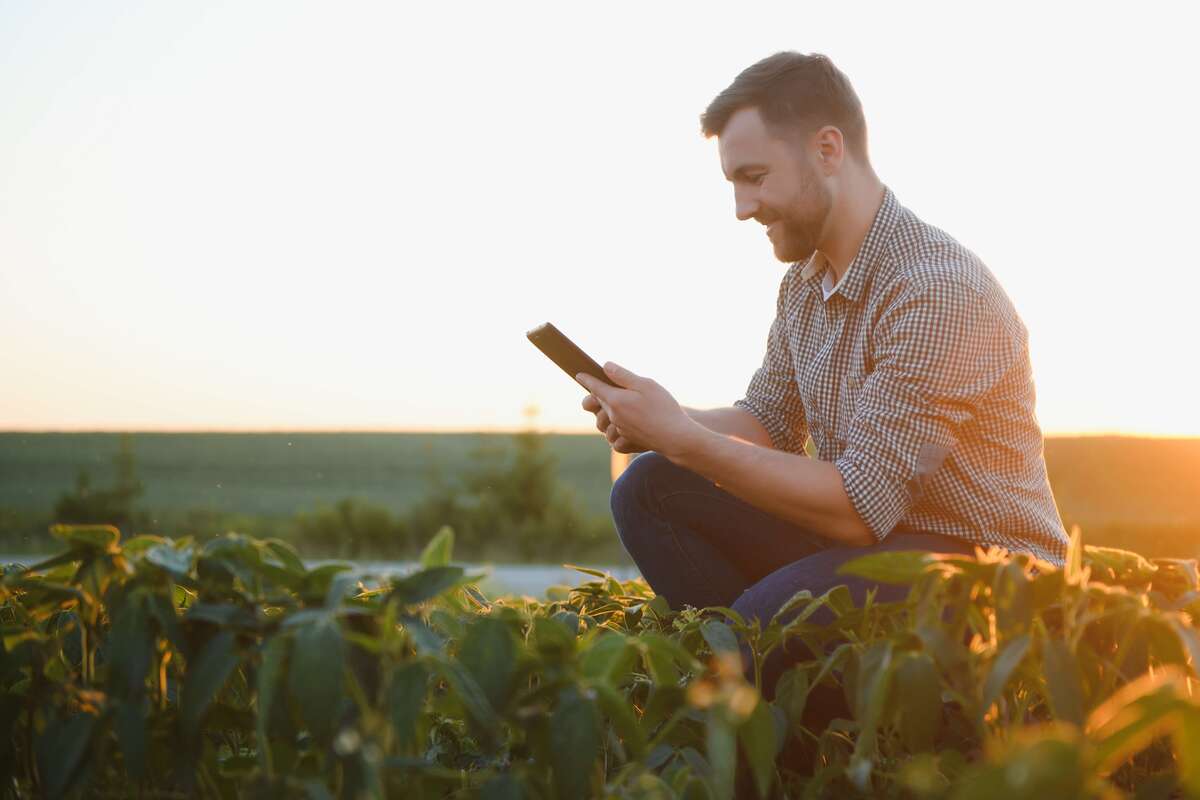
(914, 379)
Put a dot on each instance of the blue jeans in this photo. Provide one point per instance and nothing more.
(698, 545)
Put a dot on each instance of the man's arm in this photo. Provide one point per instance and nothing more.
(802, 490)
(736, 422)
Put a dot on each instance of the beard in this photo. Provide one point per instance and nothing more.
(801, 225)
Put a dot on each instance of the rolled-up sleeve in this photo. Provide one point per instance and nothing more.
(773, 396)
(940, 348)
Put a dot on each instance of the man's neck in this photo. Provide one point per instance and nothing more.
(851, 222)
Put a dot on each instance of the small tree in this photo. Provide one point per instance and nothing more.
(112, 506)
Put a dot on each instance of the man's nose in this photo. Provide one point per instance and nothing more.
(745, 205)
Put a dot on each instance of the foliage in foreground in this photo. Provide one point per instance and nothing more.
(162, 668)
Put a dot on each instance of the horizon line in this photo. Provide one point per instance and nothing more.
(561, 431)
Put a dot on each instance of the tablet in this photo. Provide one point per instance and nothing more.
(562, 351)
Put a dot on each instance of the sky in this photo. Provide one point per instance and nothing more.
(345, 216)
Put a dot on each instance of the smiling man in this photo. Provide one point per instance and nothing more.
(893, 347)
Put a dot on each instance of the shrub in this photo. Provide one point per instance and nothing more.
(231, 669)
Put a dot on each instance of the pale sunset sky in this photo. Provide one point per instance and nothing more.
(345, 216)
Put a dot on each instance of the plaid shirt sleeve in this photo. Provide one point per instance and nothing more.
(773, 396)
(940, 348)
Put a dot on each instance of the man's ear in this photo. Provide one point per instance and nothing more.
(829, 147)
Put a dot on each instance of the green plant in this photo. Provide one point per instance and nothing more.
(112, 506)
(161, 668)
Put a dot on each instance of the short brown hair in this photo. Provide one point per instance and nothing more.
(793, 90)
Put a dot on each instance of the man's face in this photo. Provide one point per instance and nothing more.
(775, 183)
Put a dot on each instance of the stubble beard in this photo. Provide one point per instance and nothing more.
(802, 227)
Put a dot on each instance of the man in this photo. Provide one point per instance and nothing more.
(893, 347)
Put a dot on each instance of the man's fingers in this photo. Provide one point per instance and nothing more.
(620, 375)
(591, 403)
(602, 421)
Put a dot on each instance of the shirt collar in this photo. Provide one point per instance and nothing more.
(853, 282)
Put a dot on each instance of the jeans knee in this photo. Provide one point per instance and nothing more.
(632, 487)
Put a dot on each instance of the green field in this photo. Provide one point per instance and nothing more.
(273, 474)
(1142, 493)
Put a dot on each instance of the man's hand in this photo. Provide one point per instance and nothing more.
(637, 414)
(605, 425)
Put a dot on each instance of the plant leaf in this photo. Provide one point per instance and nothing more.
(1006, 662)
(270, 675)
(315, 674)
(438, 551)
(489, 652)
(406, 697)
(205, 676)
(757, 735)
(575, 732)
(894, 566)
(1062, 681)
(426, 584)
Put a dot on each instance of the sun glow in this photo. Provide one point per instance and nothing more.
(208, 227)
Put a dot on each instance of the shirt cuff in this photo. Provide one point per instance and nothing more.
(868, 489)
(776, 429)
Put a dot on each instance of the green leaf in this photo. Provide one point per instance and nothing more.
(130, 648)
(918, 692)
(1006, 662)
(552, 638)
(575, 732)
(424, 638)
(474, 701)
(1062, 681)
(1011, 589)
(1187, 745)
(1073, 567)
(619, 711)
(720, 740)
(317, 582)
(489, 652)
(131, 724)
(286, 555)
(875, 672)
(607, 653)
(205, 676)
(438, 552)
(1191, 643)
(270, 675)
(178, 562)
(569, 620)
(426, 584)
(61, 751)
(894, 566)
(720, 637)
(95, 537)
(659, 605)
(72, 555)
(791, 695)
(315, 674)
(587, 571)
(406, 698)
(757, 735)
(342, 585)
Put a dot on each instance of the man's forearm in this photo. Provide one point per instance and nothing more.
(802, 490)
(732, 421)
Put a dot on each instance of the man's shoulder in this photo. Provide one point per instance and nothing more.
(925, 260)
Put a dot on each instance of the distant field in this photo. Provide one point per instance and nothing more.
(1110, 486)
(270, 473)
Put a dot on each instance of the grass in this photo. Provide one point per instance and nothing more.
(1136, 493)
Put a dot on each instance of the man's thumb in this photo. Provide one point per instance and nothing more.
(619, 374)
